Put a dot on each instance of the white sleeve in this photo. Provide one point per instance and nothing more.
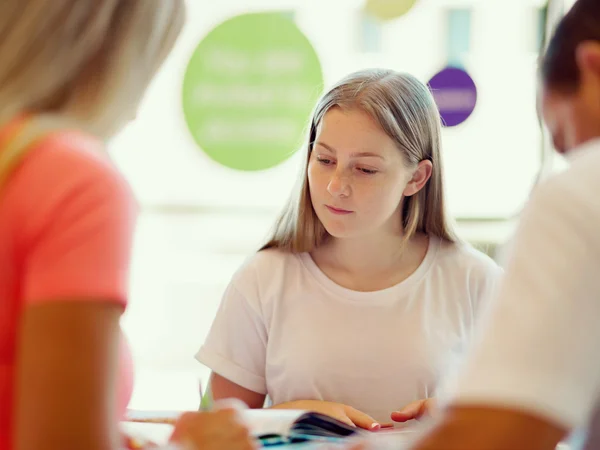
(537, 341)
(235, 347)
(486, 287)
(483, 288)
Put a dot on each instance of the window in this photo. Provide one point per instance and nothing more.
(541, 19)
(200, 220)
(370, 35)
(459, 36)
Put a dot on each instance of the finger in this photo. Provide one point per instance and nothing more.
(233, 406)
(251, 444)
(398, 416)
(411, 411)
(240, 432)
(182, 425)
(229, 422)
(347, 421)
(362, 420)
(429, 407)
(216, 422)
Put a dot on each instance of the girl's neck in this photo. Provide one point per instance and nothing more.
(371, 254)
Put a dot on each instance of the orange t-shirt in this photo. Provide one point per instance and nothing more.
(66, 225)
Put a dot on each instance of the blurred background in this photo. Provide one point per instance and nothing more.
(202, 214)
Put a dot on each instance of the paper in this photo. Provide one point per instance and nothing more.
(259, 421)
(270, 421)
(148, 432)
(136, 415)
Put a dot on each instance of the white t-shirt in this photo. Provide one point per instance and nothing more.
(285, 329)
(540, 339)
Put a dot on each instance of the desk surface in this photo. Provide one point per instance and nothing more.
(159, 434)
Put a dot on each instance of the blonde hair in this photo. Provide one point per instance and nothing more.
(407, 113)
(78, 64)
(87, 61)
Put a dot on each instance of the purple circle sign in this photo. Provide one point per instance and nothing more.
(455, 94)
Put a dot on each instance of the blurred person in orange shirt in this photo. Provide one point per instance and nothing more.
(72, 73)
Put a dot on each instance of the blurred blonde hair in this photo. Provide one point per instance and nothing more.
(79, 63)
(87, 60)
(407, 113)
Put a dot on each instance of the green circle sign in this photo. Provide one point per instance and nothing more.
(249, 89)
(389, 9)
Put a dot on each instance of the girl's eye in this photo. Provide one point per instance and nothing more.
(367, 171)
(324, 160)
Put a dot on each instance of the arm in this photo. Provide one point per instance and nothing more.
(219, 430)
(235, 348)
(222, 388)
(76, 224)
(66, 370)
(475, 427)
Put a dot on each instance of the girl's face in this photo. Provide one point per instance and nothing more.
(573, 118)
(358, 177)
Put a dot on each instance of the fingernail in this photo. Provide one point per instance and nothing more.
(375, 427)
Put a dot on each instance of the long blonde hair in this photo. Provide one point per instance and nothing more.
(89, 61)
(78, 64)
(406, 111)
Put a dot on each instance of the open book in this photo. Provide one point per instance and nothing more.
(270, 426)
(295, 426)
(278, 426)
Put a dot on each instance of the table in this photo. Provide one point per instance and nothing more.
(160, 432)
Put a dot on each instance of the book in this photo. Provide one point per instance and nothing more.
(275, 425)
(270, 426)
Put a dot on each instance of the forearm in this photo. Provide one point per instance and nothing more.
(485, 428)
(75, 440)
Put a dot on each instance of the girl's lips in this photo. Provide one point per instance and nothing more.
(338, 210)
